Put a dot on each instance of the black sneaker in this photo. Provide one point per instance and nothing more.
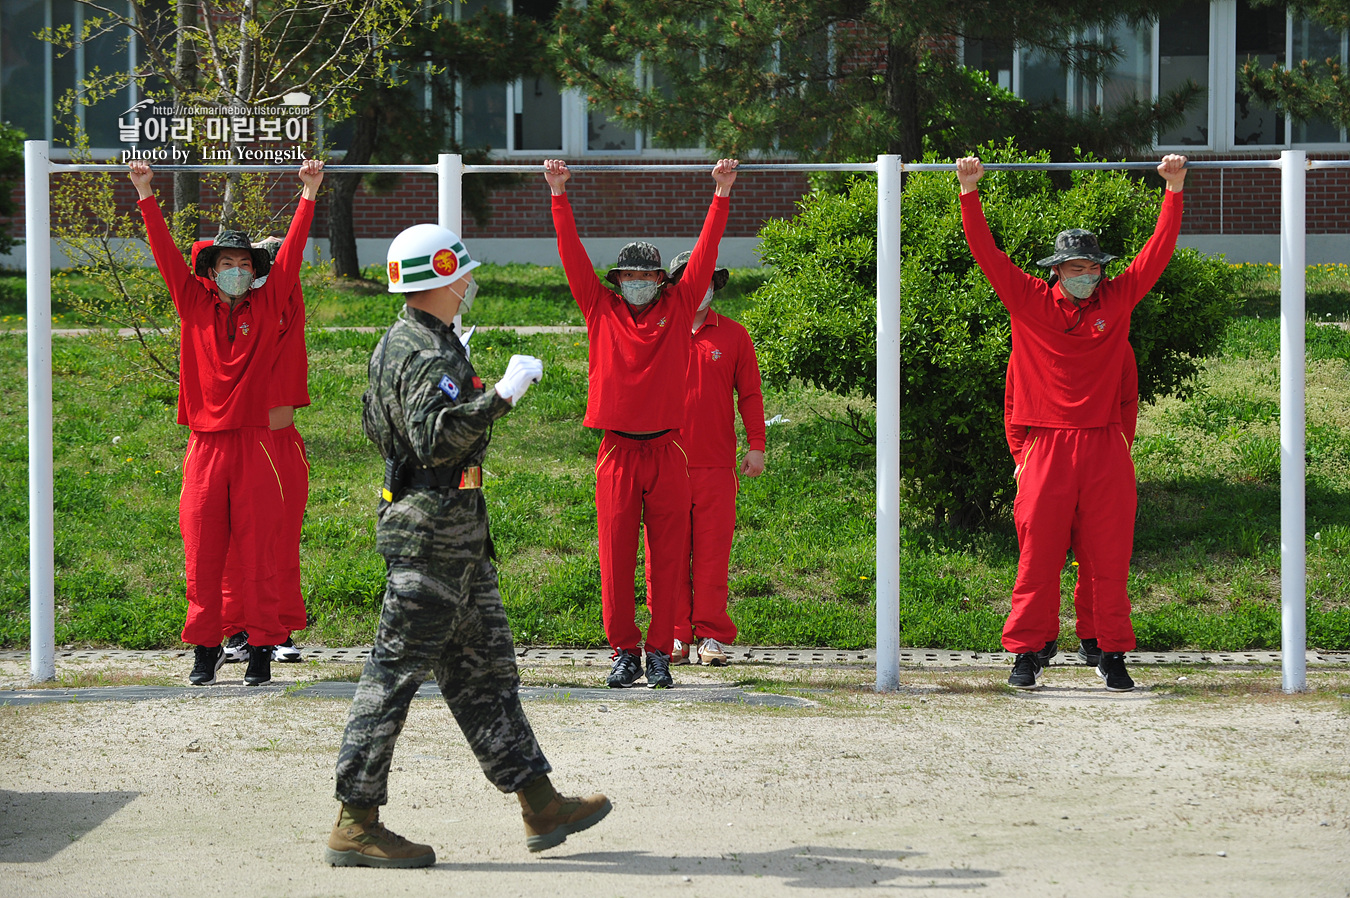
(1089, 653)
(209, 659)
(236, 647)
(1050, 651)
(658, 670)
(259, 665)
(627, 668)
(286, 653)
(1112, 671)
(1026, 671)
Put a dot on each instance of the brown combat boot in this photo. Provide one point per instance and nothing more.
(559, 816)
(359, 839)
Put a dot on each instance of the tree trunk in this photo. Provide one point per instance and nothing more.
(187, 186)
(902, 98)
(342, 196)
(243, 96)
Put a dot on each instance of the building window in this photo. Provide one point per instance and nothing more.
(34, 75)
(1260, 35)
(1183, 56)
(1309, 40)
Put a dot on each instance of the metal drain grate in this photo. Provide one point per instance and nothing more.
(529, 656)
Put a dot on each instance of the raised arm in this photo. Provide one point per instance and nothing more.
(1008, 281)
(1147, 267)
(698, 273)
(581, 277)
(286, 268)
(175, 272)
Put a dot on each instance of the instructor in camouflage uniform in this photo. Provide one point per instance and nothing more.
(430, 415)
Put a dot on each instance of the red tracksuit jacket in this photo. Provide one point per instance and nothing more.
(637, 364)
(1069, 380)
(227, 354)
(723, 359)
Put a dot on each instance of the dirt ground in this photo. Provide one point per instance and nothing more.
(1213, 785)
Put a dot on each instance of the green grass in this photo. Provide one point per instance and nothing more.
(1205, 572)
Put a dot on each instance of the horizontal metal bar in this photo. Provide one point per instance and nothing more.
(699, 167)
(1095, 166)
(1329, 163)
(58, 168)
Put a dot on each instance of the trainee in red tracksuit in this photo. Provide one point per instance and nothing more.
(1085, 626)
(637, 375)
(231, 487)
(1076, 466)
(722, 362)
(290, 390)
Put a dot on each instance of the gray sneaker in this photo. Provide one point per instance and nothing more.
(1026, 671)
(658, 671)
(627, 668)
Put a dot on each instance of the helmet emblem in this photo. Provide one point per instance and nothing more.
(393, 272)
(445, 262)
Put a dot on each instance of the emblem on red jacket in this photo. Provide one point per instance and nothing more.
(244, 327)
(661, 323)
(716, 354)
(1100, 324)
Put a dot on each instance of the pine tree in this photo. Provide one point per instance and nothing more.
(839, 79)
(1314, 88)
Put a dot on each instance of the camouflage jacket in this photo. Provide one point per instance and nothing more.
(425, 405)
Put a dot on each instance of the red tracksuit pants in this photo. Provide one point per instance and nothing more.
(642, 482)
(701, 611)
(231, 496)
(1075, 484)
(288, 452)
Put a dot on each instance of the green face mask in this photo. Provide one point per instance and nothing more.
(1080, 287)
(466, 303)
(234, 282)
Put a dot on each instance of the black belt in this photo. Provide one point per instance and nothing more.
(643, 437)
(468, 478)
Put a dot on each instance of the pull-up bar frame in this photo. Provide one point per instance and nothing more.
(450, 170)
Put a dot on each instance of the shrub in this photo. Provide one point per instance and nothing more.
(814, 320)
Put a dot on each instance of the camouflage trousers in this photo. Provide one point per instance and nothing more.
(446, 620)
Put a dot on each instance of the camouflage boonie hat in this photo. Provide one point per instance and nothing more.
(677, 264)
(206, 259)
(636, 256)
(1076, 243)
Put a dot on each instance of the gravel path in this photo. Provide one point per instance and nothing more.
(1215, 785)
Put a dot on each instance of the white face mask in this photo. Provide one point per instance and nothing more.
(1080, 287)
(234, 282)
(466, 303)
(640, 293)
(707, 300)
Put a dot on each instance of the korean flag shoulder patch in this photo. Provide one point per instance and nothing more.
(448, 387)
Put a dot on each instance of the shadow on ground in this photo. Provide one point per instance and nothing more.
(40, 824)
(800, 867)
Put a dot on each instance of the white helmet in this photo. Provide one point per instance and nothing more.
(425, 257)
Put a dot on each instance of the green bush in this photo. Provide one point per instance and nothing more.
(814, 319)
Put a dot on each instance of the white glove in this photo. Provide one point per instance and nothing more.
(521, 371)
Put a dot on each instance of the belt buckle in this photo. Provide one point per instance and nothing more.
(471, 478)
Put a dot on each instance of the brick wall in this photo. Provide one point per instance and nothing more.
(673, 204)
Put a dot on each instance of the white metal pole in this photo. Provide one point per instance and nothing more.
(450, 193)
(889, 171)
(1293, 529)
(450, 200)
(41, 527)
